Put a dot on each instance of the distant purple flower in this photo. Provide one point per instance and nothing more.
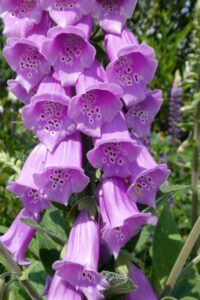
(21, 16)
(19, 91)
(146, 178)
(112, 14)
(25, 58)
(67, 12)
(69, 53)
(80, 265)
(120, 217)
(47, 114)
(25, 188)
(141, 115)
(99, 103)
(144, 289)
(60, 289)
(133, 70)
(114, 150)
(63, 174)
(18, 237)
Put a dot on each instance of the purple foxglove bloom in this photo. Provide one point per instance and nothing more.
(133, 70)
(25, 188)
(67, 12)
(18, 237)
(146, 178)
(47, 114)
(69, 53)
(114, 150)
(80, 265)
(144, 289)
(63, 174)
(25, 58)
(140, 116)
(114, 43)
(18, 90)
(112, 14)
(120, 217)
(98, 104)
(61, 290)
(21, 16)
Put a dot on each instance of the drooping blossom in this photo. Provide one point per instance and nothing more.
(60, 289)
(67, 12)
(20, 16)
(80, 265)
(140, 116)
(69, 52)
(15, 87)
(97, 102)
(120, 217)
(25, 188)
(63, 174)
(144, 289)
(114, 151)
(146, 178)
(112, 14)
(25, 58)
(47, 114)
(18, 237)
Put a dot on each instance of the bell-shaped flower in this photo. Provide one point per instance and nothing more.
(140, 116)
(69, 52)
(146, 178)
(18, 237)
(112, 14)
(98, 104)
(25, 188)
(60, 289)
(132, 70)
(67, 12)
(80, 265)
(144, 289)
(114, 151)
(20, 16)
(120, 217)
(15, 87)
(63, 174)
(47, 114)
(25, 58)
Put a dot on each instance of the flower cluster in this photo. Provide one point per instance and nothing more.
(67, 93)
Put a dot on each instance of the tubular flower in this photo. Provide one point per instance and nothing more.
(19, 91)
(18, 237)
(120, 217)
(62, 174)
(47, 114)
(80, 264)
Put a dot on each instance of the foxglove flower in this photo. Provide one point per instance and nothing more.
(132, 70)
(47, 114)
(18, 237)
(112, 14)
(114, 150)
(99, 103)
(15, 87)
(61, 290)
(25, 188)
(63, 174)
(20, 16)
(120, 217)
(140, 116)
(67, 12)
(69, 52)
(80, 264)
(146, 178)
(25, 58)
(144, 289)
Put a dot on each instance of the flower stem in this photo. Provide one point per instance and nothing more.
(179, 264)
(13, 267)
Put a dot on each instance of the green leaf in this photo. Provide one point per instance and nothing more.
(37, 276)
(88, 204)
(169, 298)
(123, 263)
(174, 188)
(119, 284)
